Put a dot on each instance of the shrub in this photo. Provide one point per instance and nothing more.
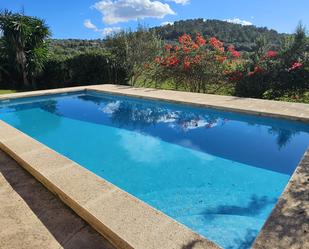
(82, 69)
(192, 64)
(271, 74)
(132, 50)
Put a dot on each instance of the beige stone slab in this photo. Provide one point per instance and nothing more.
(123, 219)
(33, 218)
(41, 92)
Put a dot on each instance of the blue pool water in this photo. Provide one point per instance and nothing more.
(219, 173)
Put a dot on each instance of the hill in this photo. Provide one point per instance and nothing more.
(62, 48)
(243, 37)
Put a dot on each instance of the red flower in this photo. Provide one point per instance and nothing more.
(295, 65)
(216, 44)
(231, 49)
(158, 59)
(235, 76)
(234, 53)
(200, 40)
(173, 61)
(197, 59)
(258, 69)
(176, 48)
(221, 59)
(255, 71)
(271, 54)
(185, 39)
(186, 49)
(186, 64)
(168, 47)
(164, 63)
(195, 46)
(221, 49)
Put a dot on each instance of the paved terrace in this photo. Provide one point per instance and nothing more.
(33, 218)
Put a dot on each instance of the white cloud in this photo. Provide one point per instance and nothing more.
(143, 148)
(89, 25)
(183, 2)
(239, 21)
(111, 107)
(105, 32)
(110, 30)
(125, 10)
(166, 23)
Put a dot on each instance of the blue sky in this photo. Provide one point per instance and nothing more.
(90, 19)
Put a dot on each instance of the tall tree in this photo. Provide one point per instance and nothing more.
(134, 49)
(23, 45)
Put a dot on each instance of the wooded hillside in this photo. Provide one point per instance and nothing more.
(242, 37)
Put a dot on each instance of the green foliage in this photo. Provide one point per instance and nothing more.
(64, 48)
(82, 69)
(23, 49)
(274, 74)
(133, 50)
(6, 91)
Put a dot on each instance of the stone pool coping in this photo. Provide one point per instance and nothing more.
(130, 223)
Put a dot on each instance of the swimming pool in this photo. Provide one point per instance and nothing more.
(219, 173)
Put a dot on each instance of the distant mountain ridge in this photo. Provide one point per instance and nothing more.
(243, 37)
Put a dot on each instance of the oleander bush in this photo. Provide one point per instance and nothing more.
(201, 65)
(192, 64)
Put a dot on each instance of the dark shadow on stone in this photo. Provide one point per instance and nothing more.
(191, 244)
(67, 228)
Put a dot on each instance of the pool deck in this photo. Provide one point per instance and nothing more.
(127, 222)
(33, 218)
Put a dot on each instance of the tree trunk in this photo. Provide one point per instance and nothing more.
(22, 60)
(25, 79)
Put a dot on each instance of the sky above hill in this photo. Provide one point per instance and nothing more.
(90, 19)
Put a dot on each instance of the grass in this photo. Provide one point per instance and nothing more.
(300, 97)
(7, 91)
(228, 90)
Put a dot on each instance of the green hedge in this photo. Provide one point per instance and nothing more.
(82, 69)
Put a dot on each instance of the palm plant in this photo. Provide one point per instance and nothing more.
(23, 45)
